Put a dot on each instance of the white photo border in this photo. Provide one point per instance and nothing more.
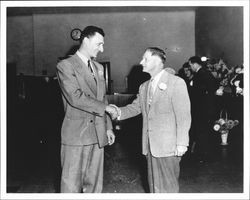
(5, 4)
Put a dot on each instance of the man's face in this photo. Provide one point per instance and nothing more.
(192, 66)
(150, 62)
(94, 44)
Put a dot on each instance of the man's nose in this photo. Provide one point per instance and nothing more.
(101, 49)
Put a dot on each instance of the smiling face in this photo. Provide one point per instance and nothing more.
(187, 72)
(152, 64)
(93, 45)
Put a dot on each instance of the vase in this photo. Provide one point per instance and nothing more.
(224, 136)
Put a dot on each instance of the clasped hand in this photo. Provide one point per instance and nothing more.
(113, 110)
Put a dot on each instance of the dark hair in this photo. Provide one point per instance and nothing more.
(196, 59)
(159, 52)
(91, 31)
(186, 65)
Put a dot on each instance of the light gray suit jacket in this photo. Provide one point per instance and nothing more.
(167, 121)
(85, 120)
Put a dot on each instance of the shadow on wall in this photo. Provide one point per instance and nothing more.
(135, 78)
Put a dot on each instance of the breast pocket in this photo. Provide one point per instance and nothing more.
(163, 104)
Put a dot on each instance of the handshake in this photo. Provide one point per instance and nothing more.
(114, 111)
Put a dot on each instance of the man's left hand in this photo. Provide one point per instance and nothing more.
(180, 150)
(111, 137)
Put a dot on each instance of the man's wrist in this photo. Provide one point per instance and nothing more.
(118, 111)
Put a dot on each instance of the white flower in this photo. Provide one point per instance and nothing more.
(219, 92)
(216, 127)
(237, 83)
(221, 121)
(100, 73)
(162, 86)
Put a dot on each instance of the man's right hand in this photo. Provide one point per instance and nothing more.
(113, 110)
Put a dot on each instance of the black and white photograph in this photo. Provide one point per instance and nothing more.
(125, 99)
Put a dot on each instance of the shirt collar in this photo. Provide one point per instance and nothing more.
(83, 57)
(198, 69)
(156, 79)
(157, 76)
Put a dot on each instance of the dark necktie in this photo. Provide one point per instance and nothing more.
(91, 70)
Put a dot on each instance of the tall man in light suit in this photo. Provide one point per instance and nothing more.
(165, 107)
(86, 128)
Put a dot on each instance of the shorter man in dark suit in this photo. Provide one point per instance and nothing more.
(203, 97)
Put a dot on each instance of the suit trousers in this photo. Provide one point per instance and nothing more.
(163, 174)
(203, 136)
(82, 169)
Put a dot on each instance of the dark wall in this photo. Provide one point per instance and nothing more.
(219, 33)
(35, 113)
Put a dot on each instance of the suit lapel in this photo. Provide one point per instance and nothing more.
(99, 90)
(146, 96)
(84, 72)
(164, 79)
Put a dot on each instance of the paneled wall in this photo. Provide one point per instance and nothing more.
(128, 32)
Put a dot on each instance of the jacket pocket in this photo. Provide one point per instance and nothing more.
(163, 106)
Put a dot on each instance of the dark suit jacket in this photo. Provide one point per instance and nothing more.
(204, 87)
(85, 120)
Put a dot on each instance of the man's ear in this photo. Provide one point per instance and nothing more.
(86, 40)
(157, 61)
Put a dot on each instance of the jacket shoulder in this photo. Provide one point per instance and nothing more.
(143, 85)
(67, 61)
(175, 78)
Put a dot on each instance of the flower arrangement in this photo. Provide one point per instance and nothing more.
(237, 80)
(223, 74)
(230, 80)
(223, 125)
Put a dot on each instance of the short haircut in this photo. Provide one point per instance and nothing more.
(91, 31)
(159, 52)
(196, 59)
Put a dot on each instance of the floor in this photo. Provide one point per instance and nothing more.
(36, 167)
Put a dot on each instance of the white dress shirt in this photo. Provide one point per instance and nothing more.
(154, 80)
(85, 60)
